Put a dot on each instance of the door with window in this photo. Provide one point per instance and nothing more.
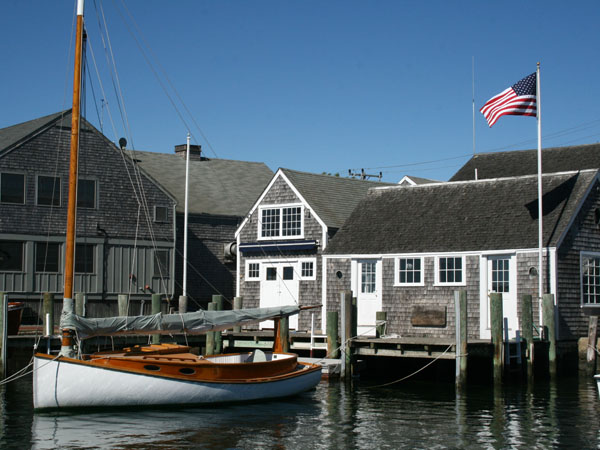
(501, 277)
(367, 288)
(279, 287)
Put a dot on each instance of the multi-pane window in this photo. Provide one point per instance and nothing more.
(450, 270)
(161, 263)
(48, 190)
(84, 258)
(11, 256)
(12, 188)
(86, 193)
(47, 257)
(500, 275)
(308, 269)
(409, 271)
(368, 277)
(590, 280)
(292, 221)
(253, 271)
(281, 222)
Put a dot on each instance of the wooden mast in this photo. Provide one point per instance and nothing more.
(67, 341)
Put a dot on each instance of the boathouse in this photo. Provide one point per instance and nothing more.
(284, 234)
(123, 246)
(405, 250)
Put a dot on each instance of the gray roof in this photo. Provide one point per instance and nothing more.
(416, 180)
(16, 134)
(332, 198)
(216, 186)
(524, 162)
(491, 214)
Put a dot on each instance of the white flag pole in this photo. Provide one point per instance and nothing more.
(185, 220)
(540, 209)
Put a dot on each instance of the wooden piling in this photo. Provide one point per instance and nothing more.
(218, 300)
(183, 304)
(380, 323)
(527, 331)
(592, 345)
(237, 304)
(284, 334)
(460, 303)
(550, 326)
(155, 310)
(210, 336)
(48, 313)
(122, 304)
(496, 319)
(347, 335)
(3, 334)
(332, 334)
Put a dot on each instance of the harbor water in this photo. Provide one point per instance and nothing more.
(337, 415)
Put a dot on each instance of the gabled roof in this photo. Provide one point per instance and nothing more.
(524, 162)
(16, 134)
(496, 214)
(412, 181)
(216, 186)
(332, 198)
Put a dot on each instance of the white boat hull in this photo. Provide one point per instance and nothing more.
(58, 384)
(597, 378)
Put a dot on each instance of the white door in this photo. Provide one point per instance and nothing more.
(279, 287)
(501, 278)
(367, 286)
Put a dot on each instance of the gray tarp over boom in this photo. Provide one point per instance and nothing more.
(191, 323)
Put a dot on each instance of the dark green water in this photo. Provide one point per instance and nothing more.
(565, 414)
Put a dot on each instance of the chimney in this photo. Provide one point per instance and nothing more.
(195, 151)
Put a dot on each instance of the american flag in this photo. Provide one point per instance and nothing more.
(517, 100)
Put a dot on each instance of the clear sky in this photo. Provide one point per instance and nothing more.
(318, 86)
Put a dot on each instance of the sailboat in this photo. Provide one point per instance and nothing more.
(159, 374)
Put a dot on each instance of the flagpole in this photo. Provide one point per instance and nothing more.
(540, 209)
(185, 215)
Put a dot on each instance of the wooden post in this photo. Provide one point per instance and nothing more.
(210, 336)
(460, 304)
(218, 300)
(237, 304)
(281, 341)
(122, 304)
(592, 345)
(80, 304)
(48, 312)
(380, 323)
(527, 330)
(155, 310)
(3, 334)
(496, 322)
(550, 325)
(332, 334)
(183, 304)
(347, 335)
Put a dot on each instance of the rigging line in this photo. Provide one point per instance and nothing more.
(419, 163)
(164, 72)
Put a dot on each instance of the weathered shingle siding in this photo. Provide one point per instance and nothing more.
(584, 235)
(309, 290)
(209, 272)
(336, 284)
(528, 284)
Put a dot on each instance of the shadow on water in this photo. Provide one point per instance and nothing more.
(360, 414)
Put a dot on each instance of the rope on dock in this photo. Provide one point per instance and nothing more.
(416, 372)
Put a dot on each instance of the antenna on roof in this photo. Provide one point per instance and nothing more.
(364, 176)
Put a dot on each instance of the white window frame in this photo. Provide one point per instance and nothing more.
(312, 261)
(280, 207)
(397, 271)
(582, 257)
(247, 272)
(463, 271)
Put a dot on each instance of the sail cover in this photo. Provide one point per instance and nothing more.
(191, 323)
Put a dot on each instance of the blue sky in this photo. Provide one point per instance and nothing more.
(318, 86)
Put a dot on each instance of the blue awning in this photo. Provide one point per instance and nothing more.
(276, 246)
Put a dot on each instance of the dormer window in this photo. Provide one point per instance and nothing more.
(283, 222)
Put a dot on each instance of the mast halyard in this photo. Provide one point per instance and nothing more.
(67, 336)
